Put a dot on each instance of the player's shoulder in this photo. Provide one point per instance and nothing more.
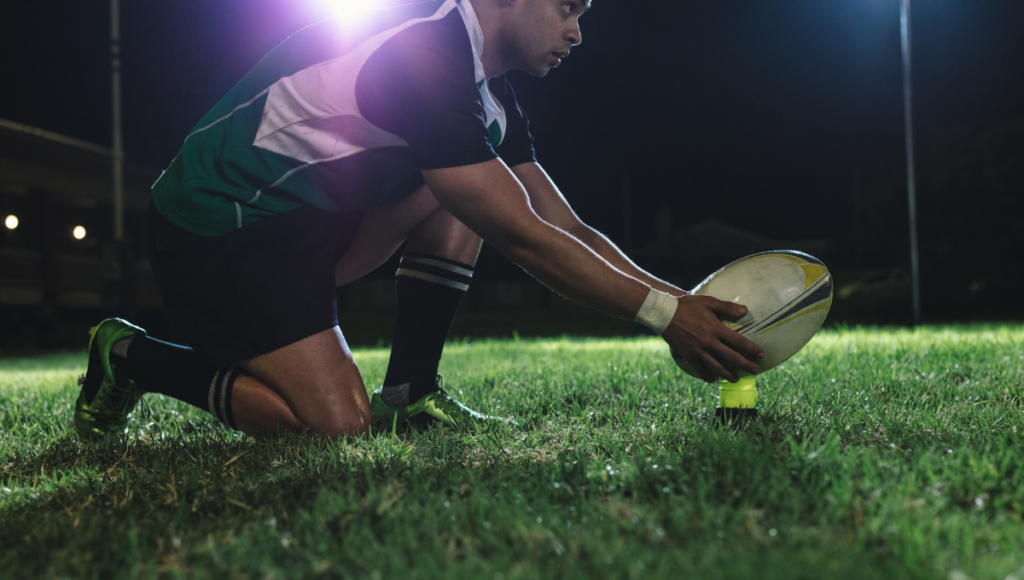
(432, 21)
(417, 25)
(441, 33)
(432, 53)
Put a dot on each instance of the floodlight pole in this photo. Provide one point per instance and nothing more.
(115, 81)
(915, 273)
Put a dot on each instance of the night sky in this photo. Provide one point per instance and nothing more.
(770, 115)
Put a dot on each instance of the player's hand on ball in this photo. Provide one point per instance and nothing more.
(698, 335)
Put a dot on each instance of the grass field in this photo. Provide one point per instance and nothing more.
(881, 453)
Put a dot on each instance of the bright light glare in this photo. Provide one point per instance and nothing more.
(325, 8)
(78, 232)
(11, 222)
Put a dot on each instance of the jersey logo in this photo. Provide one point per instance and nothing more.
(496, 120)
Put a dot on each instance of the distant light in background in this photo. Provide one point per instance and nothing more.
(11, 222)
(78, 232)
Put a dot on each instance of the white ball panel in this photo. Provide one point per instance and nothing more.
(771, 285)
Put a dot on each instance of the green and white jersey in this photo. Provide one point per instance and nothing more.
(343, 115)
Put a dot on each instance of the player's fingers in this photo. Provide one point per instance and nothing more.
(702, 371)
(692, 366)
(727, 310)
(732, 359)
(717, 368)
(748, 348)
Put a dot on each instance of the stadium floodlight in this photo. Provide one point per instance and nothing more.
(11, 222)
(78, 233)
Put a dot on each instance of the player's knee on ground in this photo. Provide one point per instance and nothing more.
(340, 423)
(336, 416)
(276, 418)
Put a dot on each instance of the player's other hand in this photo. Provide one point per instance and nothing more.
(698, 335)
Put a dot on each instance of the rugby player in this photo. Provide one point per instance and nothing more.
(351, 138)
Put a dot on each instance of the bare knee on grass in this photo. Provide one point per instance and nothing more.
(339, 419)
(258, 410)
(318, 381)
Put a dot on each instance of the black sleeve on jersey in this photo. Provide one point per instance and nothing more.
(517, 146)
(420, 85)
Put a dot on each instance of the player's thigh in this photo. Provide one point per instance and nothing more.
(253, 290)
(380, 232)
(319, 380)
(418, 219)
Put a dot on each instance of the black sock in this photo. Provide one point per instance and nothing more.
(429, 291)
(179, 372)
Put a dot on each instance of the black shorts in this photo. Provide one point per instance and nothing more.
(253, 290)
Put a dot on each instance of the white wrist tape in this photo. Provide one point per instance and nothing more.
(657, 311)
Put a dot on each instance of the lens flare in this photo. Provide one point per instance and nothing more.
(346, 7)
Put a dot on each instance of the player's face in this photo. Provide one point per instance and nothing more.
(543, 32)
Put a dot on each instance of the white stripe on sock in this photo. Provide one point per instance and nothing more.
(213, 385)
(224, 396)
(439, 264)
(432, 278)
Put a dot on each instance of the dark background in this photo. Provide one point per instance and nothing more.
(782, 118)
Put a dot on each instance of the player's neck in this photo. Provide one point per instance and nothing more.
(489, 15)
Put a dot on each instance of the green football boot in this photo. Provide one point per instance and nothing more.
(107, 395)
(435, 407)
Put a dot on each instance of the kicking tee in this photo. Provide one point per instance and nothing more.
(343, 115)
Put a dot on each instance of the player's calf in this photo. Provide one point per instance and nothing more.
(125, 363)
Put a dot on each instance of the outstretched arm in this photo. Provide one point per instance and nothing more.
(551, 206)
(491, 201)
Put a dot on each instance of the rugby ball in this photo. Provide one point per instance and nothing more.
(788, 294)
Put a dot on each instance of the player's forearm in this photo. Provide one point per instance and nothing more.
(553, 208)
(493, 203)
(569, 267)
(604, 247)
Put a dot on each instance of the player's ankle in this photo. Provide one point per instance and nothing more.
(396, 396)
(421, 388)
(405, 394)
